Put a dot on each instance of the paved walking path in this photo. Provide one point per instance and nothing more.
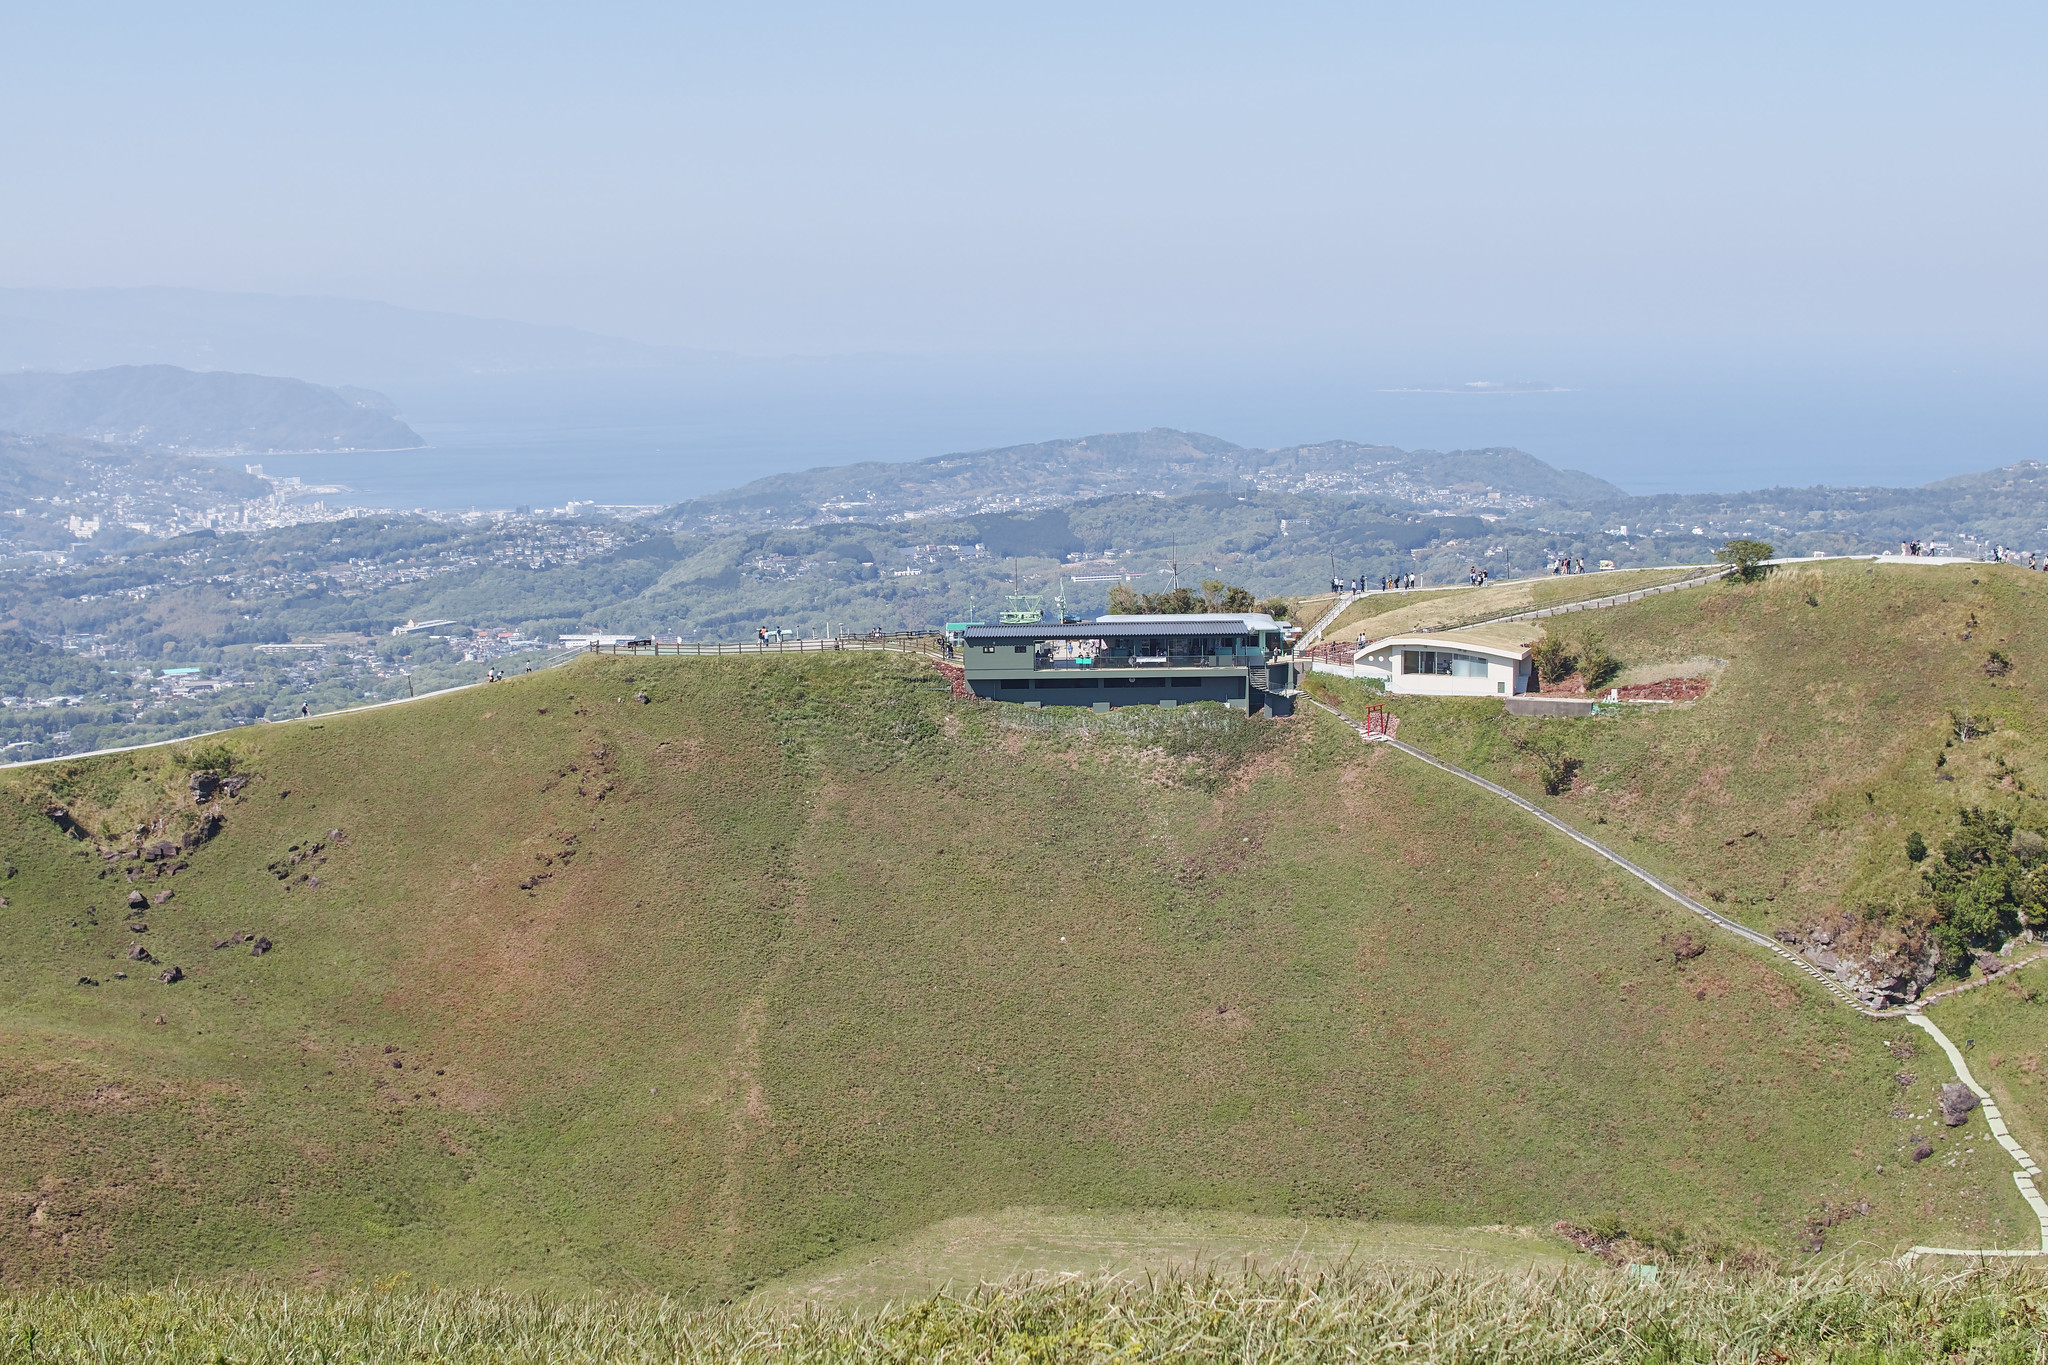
(1617, 600)
(2025, 1177)
(2029, 1172)
(1315, 632)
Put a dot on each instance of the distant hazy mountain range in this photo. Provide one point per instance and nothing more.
(2006, 506)
(169, 408)
(333, 339)
(1160, 462)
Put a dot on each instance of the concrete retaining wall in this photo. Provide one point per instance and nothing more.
(1550, 706)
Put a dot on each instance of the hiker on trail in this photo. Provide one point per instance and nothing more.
(762, 632)
(305, 712)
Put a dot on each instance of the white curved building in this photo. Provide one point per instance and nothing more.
(1478, 661)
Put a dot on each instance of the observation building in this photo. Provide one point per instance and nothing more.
(1241, 660)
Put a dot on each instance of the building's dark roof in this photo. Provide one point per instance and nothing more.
(1128, 627)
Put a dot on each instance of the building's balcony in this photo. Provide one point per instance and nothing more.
(1247, 659)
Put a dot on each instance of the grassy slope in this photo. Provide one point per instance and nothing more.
(2005, 1040)
(1041, 1244)
(1375, 1311)
(836, 957)
(1820, 735)
(1388, 614)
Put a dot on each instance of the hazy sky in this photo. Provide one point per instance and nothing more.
(1506, 184)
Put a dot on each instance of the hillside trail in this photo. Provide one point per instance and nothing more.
(1337, 608)
(2029, 1170)
(1620, 599)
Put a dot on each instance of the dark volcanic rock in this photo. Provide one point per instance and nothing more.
(170, 976)
(259, 947)
(138, 953)
(204, 785)
(137, 901)
(1957, 1101)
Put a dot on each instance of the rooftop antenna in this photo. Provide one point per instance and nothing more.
(1174, 562)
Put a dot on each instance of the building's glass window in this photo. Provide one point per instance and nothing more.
(1442, 663)
(1019, 649)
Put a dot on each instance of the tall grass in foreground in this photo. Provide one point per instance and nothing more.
(1391, 1312)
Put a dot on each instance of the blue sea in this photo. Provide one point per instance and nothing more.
(659, 437)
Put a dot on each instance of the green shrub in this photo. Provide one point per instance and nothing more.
(1215, 596)
(213, 758)
(1554, 659)
(1969, 725)
(1596, 665)
(1990, 877)
(1747, 556)
(1554, 763)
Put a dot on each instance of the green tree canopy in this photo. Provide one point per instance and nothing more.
(1991, 879)
(1747, 556)
(1215, 596)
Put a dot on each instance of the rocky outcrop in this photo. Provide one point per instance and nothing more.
(1879, 964)
(1957, 1100)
